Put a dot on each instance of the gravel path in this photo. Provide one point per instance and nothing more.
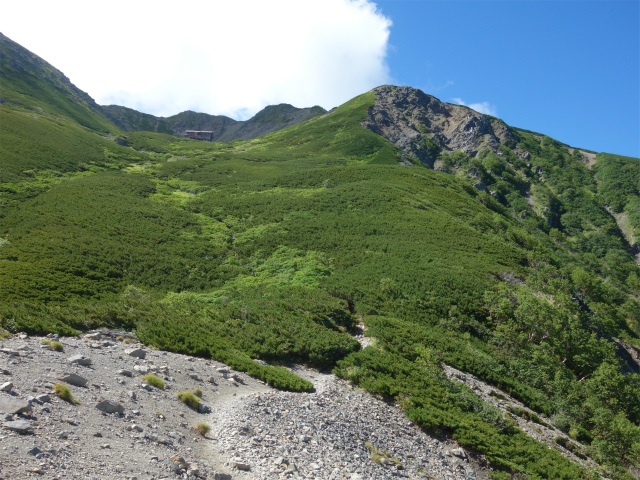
(257, 432)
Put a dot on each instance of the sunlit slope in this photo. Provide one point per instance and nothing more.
(29, 81)
(38, 144)
(506, 265)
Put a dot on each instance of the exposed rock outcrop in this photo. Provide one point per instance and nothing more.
(423, 126)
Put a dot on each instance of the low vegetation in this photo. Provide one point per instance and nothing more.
(54, 344)
(202, 429)
(64, 393)
(152, 380)
(189, 399)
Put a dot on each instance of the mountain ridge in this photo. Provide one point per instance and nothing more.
(225, 129)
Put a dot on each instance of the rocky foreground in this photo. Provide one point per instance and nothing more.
(123, 428)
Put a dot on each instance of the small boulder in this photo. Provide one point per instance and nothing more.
(110, 407)
(79, 360)
(141, 369)
(34, 451)
(6, 387)
(182, 463)
(19, 426)
(136, 352)
(125, 373)
(221, 476)
(240, 465)
(14, 406)
(73, 379)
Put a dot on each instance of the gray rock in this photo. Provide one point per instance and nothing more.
(110, 407)
(79, 360)
(141, 369)
(14, 406)
(44, 398)
(221, 476)
(158, 439)
(235, 463)
(172, 466)
(19, 426)
(125, 373)
(93, 336)
(136, 352)
(204, 408)
(34, 451)
(73, 379)
(458, 452)
(6, 387)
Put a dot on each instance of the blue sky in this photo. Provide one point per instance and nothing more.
(565, 68)
(568, 69)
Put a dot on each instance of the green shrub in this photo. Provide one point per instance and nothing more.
(198, 392)
(54, 344)
(154, 381)
(189, 399)
(202, 429)
(64, 393)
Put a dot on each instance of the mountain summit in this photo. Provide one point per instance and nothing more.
(423, 126)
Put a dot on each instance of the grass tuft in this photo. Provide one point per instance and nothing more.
(54, 344)
(154, 381)
(202, 429)
(64, 393)
(189, 399)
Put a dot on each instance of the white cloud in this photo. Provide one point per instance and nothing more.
(220, 57)
(482, 107)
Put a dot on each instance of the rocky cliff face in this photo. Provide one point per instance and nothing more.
(423, 126)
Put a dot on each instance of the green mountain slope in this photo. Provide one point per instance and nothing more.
(504, 263)
(29, 81)
(49, 129)
(225, 129)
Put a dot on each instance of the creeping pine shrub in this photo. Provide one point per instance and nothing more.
(189, 399)
(202, 429)
(54, 344)
(64, 393)
(154, 381)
